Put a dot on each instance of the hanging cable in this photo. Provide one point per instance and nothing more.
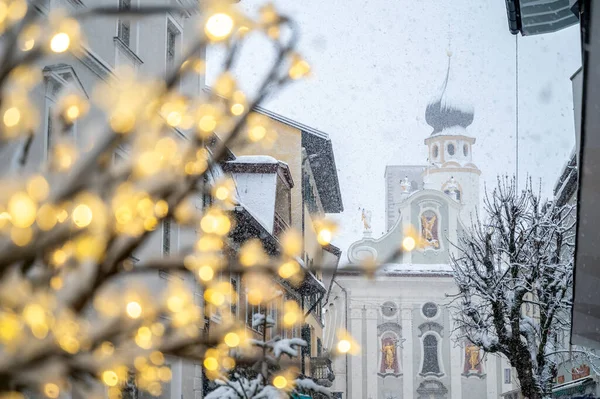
(517, 112)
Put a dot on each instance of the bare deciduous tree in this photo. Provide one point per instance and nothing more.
(514, 273)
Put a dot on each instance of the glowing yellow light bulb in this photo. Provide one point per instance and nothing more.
(280, 382)
(60, 42)
(21, 236)
(82, 215)
(217, 298)
(10, 327)
(164, 374)
(174, 118)
(225, 85)
(122, 121)
(161, 208)
(73, 112)
(28, 44)
(221, 193)
(324, 236)
(59, 257)
(157, 358)
(22, 209)
(299, 68)
(62, 215)
(38, 188)
(12, 116)
(290, 318)
(206, 273)
(237, 109)
(218, 26)
(134, 309)
(107, 348)
(51, 390)
(175, 303)
(211, 364)
(344, 346)
(33, 314)
(288, 269)
(207, 123)
(143, 338)
(257, 133)
(408, 243)
(231, 339)
(255, 296)
(110, 378)
(17, 10)
(228, 363)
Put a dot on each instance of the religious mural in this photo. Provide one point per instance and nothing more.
(473, 363)
(389, 355)
(430, 230)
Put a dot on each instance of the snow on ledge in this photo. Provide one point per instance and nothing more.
(255, 159)
(416, 268)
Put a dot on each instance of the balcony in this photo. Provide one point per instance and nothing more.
(321, 371)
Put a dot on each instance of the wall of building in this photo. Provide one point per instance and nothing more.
(287, 148)
(367, 324)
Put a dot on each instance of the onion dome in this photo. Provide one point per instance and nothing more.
(446, 109)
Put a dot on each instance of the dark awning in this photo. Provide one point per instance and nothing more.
(533, 17)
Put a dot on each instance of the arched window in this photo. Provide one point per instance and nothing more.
(435, 151)
(430, 355)
(451, 149)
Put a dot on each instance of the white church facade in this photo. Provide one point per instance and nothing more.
(402, 318)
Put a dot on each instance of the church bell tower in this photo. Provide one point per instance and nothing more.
(450, 168)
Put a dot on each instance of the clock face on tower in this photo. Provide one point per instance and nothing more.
(388, 309)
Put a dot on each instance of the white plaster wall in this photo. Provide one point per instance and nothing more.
(257, 193)
(469, 182)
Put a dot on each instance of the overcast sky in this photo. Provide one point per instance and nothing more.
(377, 63)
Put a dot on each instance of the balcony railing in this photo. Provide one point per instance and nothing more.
(321, 371)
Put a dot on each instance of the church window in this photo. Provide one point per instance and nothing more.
(173, 35)
(430, 355)
(430, 309)
(451, 149)
(435, 151)
(466, 150)
(507, 376)
(124, 31)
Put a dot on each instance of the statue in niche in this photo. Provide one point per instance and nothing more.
(366, 219)
(429, 230)
(472, 359)
(389, 355)
(405, 186)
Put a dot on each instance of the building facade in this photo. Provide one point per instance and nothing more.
(402, 318)
(293, 193)
(292, 184)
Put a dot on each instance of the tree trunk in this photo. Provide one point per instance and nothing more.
(529, 388)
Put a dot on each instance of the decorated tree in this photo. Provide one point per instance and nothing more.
(514, 272)
(77, 312)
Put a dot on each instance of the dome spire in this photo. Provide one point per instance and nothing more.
(445, 110)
